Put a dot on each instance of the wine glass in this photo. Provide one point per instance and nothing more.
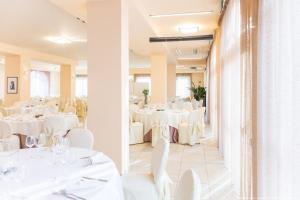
(41, 140)
(30, 141)
(60, 147)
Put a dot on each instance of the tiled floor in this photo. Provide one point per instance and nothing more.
(204, 158)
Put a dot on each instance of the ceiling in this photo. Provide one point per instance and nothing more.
(34, 20)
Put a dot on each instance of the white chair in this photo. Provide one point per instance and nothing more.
(188, 106)
(189, 187)
(8, 141)
(154, 186)
(70, 109)
(191, 131)
(136, 134)
(55, 125)
(160, 127)
(81, 138)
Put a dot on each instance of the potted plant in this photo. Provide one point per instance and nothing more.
(146, 93)
(199, 93)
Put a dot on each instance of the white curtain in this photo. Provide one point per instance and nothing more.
(279, 100)
(183, 85)
(54, 84)
(81, 86)
(39, 84)
(2, 81)
(229, 140)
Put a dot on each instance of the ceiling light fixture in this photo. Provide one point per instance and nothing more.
(186, 29)
(64, 40)
(182, 14)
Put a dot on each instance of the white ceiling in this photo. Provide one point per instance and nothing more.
(27, 23)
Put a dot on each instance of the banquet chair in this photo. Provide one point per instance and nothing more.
(81, 138)
(188, 106)
(55, 125)
(136, 134)
(70, 109)
(8, 141)
(189, 187)
(160, 127)
(3, 111)
(191, 131)
(153, 186)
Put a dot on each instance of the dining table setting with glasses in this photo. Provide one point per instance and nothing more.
(57, 172)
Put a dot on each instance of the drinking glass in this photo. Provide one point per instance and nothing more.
(30, 141)
(41, 140)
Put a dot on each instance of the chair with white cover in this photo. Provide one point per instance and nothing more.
(154, 186)
(55, 125)
(136, 133)
(188, 106)
(189, 187)
(191, 131)
(8, 141)
(160, 126)
(81, 138)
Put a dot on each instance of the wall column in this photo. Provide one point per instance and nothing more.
(108, 78)
(171, 80)
(67, 82)
(159, 78)
(17, 66)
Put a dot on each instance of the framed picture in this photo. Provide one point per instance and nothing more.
(12, 85)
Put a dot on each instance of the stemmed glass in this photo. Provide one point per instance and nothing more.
(41, 140)
(60, 148)
(30, 141)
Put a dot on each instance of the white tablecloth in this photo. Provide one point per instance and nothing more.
(175, 117)
(34, 126)
(41, 177)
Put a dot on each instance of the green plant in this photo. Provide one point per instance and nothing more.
(146, 92)
(199, 92)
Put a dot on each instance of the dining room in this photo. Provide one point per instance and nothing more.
(148, 99)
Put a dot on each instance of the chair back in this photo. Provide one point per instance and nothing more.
(188, 106)
(81, 138)
(5, 130)
(3, 111)
(55, 125)
(189, 187)
(159, 160)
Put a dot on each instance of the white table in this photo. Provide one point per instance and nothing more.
(34, 126)
(175, 117)
(41, 177)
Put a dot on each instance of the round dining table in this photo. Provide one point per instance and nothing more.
(36, 174)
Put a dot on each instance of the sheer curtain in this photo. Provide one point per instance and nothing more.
(231, 91)
(279, 100)
(81, 86)
(183, 85)
(39, 83)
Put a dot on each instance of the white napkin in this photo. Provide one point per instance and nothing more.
(93, 160)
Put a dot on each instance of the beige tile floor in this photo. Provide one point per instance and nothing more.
(204, 158)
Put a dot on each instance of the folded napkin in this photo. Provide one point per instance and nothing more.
(93, 160)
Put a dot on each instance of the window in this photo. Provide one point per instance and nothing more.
(183, 84)
(144, 79)
(81, 86)
(39, 83)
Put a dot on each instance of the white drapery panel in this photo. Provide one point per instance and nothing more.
(230, 91)
(54, 84)
(81, 86)
(279, 100)
(39, 83)
(183, 85)
(2, 79)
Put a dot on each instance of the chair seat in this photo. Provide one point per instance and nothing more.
(137, 124)
(139, 186)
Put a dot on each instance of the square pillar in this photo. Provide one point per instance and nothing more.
(108, 79)
(158, 78)
(67, 82)
(171, 81)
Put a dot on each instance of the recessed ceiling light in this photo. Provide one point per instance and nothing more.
(185, 29)
(64, 40)
(182, 14)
